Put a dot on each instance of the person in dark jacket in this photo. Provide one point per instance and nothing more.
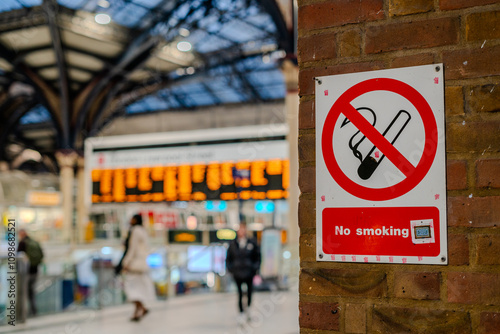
(34, 253)
(243, 262)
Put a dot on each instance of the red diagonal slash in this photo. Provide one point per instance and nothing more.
(413, 174)
(378, 140)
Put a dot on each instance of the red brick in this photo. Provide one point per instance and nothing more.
(488, 250)
(412, 35)
(483, 99)
(322, 316)
(307, 179)
(389, 319)
(415, 285)
(307, 213)
(458, 249)
(307, 115)
(483, 26)
(349, 283)
(456, 174)
(307, 147)
(339, 12)
(458, 4)
(472, 63)
(471, 137)
(306, 77)
(488, 173)
(350, 43)
(490, 323)
(407, 7)
(316, 47)
(413, 60)
(474, 212)
(454, 100)
(473, 288)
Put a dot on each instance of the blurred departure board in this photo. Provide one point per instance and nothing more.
(225, 180)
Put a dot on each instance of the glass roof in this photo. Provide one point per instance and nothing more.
(220, 86)
(233, 54)
(39, 114)
(8, 5)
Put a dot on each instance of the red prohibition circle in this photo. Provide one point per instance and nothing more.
(413, 177)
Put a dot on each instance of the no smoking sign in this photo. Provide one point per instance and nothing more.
(380, 166)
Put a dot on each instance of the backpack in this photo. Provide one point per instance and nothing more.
(34, 252)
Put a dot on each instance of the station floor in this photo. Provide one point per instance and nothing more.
(214, 313)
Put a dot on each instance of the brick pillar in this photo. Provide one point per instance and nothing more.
(345, 36)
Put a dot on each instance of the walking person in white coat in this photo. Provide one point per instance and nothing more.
(139, 287)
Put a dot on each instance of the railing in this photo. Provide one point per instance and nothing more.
(67, 292)
(56, 293)
(48, 292)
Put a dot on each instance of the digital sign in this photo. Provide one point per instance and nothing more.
(43, 198)
(222, 235)
(184, 237)
(226, 180)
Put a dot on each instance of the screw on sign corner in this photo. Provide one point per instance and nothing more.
(438, 68)
(443, 259)
(320, 256)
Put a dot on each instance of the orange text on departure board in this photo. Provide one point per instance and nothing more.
(226, 180)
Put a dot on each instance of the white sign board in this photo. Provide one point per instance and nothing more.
(380, 167)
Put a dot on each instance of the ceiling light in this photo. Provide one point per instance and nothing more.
(279, 54)
(103, 4)
(184, 32)
(103, 18)
(191, 222)
(184, 46)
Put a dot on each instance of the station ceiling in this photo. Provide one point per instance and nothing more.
(69, 67)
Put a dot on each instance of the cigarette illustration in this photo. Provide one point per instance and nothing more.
(392, 133)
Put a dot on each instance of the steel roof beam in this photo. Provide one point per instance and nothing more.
(161, 82)
(212, 93)
(104, 105)
(272, 8)
(68, 66)
(179, 100)
(21, 19)
(136, 54)
(19, 106)
(50, 7)
(253, 92)
(23, 73)
(24, 53)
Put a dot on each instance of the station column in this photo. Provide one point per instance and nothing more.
(81, 207)
(67, 160)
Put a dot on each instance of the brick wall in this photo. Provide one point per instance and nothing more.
(345, 36)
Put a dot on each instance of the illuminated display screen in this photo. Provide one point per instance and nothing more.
(226, 180)
(222, 235)
(184, 237)
(203, 259)
(422, 232)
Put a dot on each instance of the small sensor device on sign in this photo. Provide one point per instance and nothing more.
(422, 231)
